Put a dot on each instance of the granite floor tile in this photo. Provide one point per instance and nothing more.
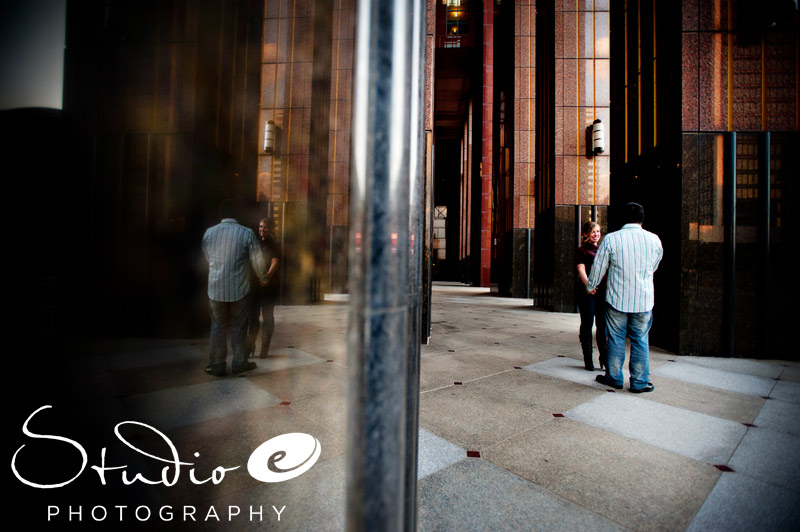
(715, 402)
(480, 413)
(284, 358)
(329, 411)
(435, 453)
(780, 417)
(476, 495)
(769, 456)
(698, 436)
(791, 372)
(786, 391)
(636, 485)
(739, 503)
(444, 370)
(510, 356)
(466, 417)
(294, 384)
(717, 378)
(569, 369)
(444, 343)
(187, 405)
(313, 501)
(737, 365)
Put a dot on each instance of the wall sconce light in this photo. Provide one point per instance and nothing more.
(598, 137)
(270, 134)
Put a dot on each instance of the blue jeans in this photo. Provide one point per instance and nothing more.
(228, 317)
(635, 325)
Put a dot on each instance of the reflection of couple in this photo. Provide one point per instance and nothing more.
(237, 262)
(264, 295)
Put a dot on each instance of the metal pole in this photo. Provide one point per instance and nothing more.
(528, 263)
(416, 209)
(579, 240)
(379, 327)
(729, 210)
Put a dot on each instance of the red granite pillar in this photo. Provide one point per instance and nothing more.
(486, 142)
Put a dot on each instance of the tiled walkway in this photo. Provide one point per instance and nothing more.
(514, 433)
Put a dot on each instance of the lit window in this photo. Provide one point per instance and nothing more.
(457, 18)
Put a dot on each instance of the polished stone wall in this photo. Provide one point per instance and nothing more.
(681, 95)
(581, 95)
(569, 174)
(305, 184)
(740, 67)
(162, 100)
(524, 113)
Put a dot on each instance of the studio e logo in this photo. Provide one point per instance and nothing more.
(305, 452)
(278, 459)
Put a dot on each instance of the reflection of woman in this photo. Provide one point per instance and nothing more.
(591, 306)
(264, 297)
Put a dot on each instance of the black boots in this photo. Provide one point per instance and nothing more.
(602, 346)
(586, 345)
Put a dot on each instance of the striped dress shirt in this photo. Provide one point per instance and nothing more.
(230, 250)
(631, 256)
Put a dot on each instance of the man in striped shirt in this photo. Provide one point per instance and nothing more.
(630, 256)
(230, 249)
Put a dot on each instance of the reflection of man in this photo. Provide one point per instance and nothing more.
(230, 250)
(631, 256)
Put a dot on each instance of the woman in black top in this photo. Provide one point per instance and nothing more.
(591, 306)
(264, 297)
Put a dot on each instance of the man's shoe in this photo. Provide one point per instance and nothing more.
(247, 366)
(648, 388)
(602, 379)
(215, 371)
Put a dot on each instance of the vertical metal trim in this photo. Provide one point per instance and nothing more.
(289, 106)
(335, 72)
(232, 104)
(655, 79)
(531, 103)
(764, 107)
(528, 263)
(729, 214)
(639, 75)
(627, 87)
(416, 196)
